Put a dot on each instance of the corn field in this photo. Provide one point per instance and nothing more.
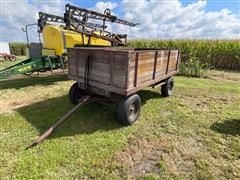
(196, 55)
(19, 49)
(219, 54)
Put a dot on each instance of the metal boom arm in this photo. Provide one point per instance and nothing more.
(44, 18)
(76, 19)
(85, 14)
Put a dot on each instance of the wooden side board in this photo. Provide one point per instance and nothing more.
(108, 67)
(146, 66)
(122, 71)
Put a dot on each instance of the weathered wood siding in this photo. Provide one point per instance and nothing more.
(122, 71)
(148, 65)
(108, 69)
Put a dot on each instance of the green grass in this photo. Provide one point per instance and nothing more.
(194, 134)
(4, 64)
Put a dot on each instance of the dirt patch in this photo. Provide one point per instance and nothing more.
(9, 106)
(181, 159)
(141, 156)
(159, 156)
(203, 100)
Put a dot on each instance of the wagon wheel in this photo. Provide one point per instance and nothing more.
(33, 74)
(76, 93)
(12, 58)
(129, 110)
(167, 88)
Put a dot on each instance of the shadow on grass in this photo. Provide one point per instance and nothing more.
(230, 127)
(87, 119)
(148, 94)
(31, 81)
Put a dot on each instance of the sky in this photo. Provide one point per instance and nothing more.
(158, 19)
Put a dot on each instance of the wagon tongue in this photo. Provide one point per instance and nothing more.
(82, 101)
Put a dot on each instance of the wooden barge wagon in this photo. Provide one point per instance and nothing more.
(121, 71)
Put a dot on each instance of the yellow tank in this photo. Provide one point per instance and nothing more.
(59, 39)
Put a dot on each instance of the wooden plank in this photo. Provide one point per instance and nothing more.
(149, 83)
(100, 85)
(172, 64)
(148, 68)
(70, 71)
(155, 64)
(102, 67)
(161, 66)
(145, 69)
(131, 69)
(98, 72)
(143, 62)
(95, 66)
(120, 81)
(111, 69)
(146, 56)
(162, 60)
(160, 73)
(104, 77)
(168, 61)
(128, 70)
(178, 59)
(136, 70)
(120, 69)
(144, 78)
(120, 59)
(143, 59)
(147, 78)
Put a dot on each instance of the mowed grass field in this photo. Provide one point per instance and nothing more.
(194, 134)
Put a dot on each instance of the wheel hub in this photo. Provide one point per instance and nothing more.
(170, 86)
(132, 110)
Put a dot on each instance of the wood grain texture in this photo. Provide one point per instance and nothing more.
(121, 70)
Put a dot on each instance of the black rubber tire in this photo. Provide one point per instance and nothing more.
(129, 110)
(75, 93)
(12, 58)
(167, 88)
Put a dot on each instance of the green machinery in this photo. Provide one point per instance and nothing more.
(31, 65)
(39, 60)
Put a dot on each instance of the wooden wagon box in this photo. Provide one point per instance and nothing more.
(122, 71)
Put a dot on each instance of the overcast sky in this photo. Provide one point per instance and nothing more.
(159, 19)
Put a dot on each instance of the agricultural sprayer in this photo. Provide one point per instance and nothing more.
(60, 33)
